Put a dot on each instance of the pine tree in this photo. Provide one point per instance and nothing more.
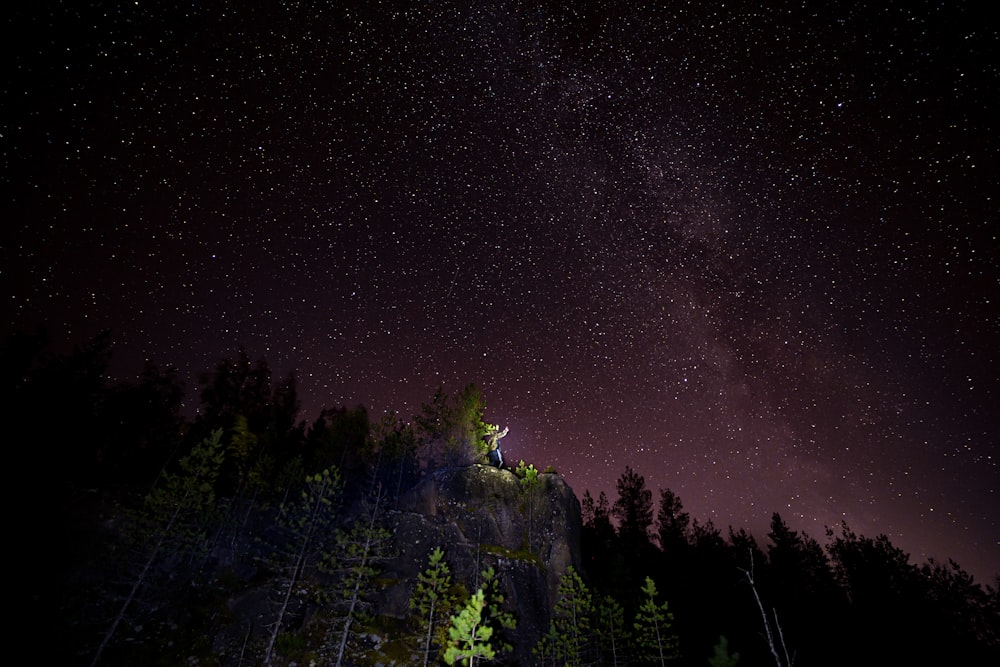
(548, 650)
(243, 455)
(434, 420)
(499, 619)
(633, 509)
(569, 631)
(610, 632)
(801, 583)
(466, 443)
(304, 527)
(673, 523)
(470, 405)
(432, 600)
(468, 637)
(174, 517)
(355, 563)
(653, 638)
(598, 543)
(633, 552)
(395, 447)
(601, 518)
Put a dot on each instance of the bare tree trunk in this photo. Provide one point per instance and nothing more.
(659, 645)
(356, 592)
(246, 640)
(345, 633)
(767, 626)
(430, 634)
(299, 565)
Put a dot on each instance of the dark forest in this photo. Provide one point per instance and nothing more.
(127, 495)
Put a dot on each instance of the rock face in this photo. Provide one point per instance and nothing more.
(484, 516)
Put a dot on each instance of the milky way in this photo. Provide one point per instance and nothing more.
(751, 255)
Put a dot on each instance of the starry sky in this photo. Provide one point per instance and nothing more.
(749, 252)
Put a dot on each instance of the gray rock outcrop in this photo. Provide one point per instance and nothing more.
(484, 516)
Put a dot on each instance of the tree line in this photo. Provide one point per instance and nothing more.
(150, 518)
(790, 600)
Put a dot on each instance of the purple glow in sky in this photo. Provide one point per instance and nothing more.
(751, 254)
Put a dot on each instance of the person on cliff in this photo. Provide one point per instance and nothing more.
(493, 435)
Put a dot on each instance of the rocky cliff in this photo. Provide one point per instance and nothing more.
(484, 516)
(480, 516)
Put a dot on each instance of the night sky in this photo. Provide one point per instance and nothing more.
(751, 254)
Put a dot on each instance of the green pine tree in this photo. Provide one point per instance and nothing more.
(432, 601)
(653, 638)
(468, 636)
(569, 632)
(499, 619)
(609, 631)
(548, 650)
(472, 429)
